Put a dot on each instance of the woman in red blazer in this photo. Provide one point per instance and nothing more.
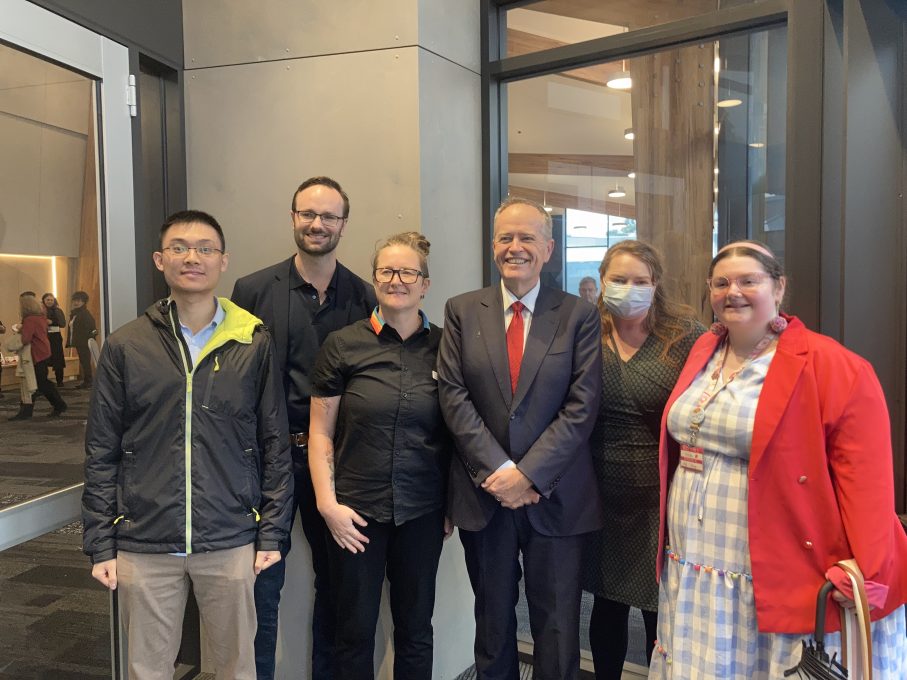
(776, 446)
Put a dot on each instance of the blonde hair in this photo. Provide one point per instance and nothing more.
(29, 305)
(410, 239)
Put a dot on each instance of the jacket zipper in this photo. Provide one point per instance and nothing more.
(187, 455)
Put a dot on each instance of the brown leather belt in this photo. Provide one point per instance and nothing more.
(299, 439)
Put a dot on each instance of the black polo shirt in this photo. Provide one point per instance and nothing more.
(391, 448)
(309, 323)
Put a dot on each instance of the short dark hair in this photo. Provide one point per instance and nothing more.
(187, 216)
(324, 182)
(81, 296)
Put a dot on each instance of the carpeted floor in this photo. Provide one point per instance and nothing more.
(41, 454)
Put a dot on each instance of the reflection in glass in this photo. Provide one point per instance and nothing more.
(49, 243)
(704, 163)
(544, 25)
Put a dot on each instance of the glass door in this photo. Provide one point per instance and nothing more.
(66, 227)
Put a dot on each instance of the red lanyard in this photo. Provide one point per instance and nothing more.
(698, 415)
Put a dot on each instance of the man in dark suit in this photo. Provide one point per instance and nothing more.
(303, 299)
(519, 373)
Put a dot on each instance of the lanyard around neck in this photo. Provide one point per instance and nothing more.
(697, 417)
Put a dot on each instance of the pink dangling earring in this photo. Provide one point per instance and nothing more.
(718, 329)
(778, 324)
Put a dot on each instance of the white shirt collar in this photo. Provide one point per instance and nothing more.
(528, 299)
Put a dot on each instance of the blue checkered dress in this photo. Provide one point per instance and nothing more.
(706, 608)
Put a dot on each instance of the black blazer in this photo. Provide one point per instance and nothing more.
(544, 428)
(266, 294)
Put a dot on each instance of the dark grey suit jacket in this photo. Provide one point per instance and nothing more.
(544, 428)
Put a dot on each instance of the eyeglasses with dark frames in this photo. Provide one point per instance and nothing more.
(327, 219)
(408, 276)
(180, 249)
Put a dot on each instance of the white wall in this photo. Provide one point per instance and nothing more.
(385, 98)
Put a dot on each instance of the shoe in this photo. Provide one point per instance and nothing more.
(83, 386)
(58, 411)
(25, 412)
(59, 383)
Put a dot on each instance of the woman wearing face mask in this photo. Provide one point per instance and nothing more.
(645, 342)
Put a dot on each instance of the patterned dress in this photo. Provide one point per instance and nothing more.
(707, 614)
(619, 560)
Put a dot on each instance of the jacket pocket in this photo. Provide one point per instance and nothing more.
(209, 387)
(127, 493)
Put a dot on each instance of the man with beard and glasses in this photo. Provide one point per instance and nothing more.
(303, 299)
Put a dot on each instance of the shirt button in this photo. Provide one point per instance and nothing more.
(802, 479)
(405, 395)
(512, 416)
(808, 545)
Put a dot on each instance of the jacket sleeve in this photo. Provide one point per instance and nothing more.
(860, 456)
(476, 446)
(103, 452)
(276, 463)
(557, 447)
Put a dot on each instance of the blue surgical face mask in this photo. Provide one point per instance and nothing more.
(627, 301)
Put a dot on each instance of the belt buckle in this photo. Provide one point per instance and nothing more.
(299, 439)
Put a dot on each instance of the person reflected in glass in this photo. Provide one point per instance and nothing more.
(82, 328)
(588, 289)
(56, 321)
(35, 343)
(776, 463)
(645, 340)
(379, 453)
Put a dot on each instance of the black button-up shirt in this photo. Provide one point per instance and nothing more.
(391, 448)
(309, 323)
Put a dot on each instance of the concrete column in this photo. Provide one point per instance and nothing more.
(384, 97)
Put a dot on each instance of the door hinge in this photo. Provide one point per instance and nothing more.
(131, 97)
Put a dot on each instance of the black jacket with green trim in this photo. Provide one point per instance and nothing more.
(183, 458)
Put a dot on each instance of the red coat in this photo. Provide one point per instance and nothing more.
(34, 333)
(821, 480)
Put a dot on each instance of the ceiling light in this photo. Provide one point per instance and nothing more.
(629, 134)
(579, 226)
(547, 208)
(756, 145)
(622, 80)
(617, 192)
(729, 103)
(545, 205)
(715, 171)
(618, 224)
(631, 174)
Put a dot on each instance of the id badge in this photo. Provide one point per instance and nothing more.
(691, 458)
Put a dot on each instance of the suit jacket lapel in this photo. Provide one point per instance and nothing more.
(281, 312)
(541, 335)
(782, 377)
(491, 328)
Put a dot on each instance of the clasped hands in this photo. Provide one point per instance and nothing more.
(511, 488)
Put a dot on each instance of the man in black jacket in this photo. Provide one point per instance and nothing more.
(303, 299)
(82, 328)
(187, 474)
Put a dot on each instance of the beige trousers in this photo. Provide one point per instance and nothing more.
(152, 592)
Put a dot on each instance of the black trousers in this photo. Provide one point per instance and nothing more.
(608, 636)
(46, 387)
(57, 358)
(85, 363)
(268, 584)
(551, 566)
(409, 555)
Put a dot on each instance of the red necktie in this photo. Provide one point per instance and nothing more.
(515, 343)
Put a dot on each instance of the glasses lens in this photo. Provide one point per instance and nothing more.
(409, 275)
(720, 283)
(384, 275)
(179, 249)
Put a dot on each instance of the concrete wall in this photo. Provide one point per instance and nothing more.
(385, 97)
